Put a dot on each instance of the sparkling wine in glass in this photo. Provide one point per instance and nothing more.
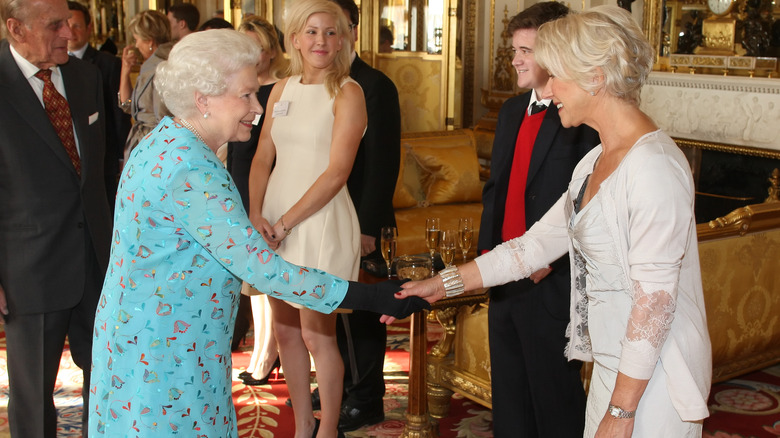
(413, 267)
(448, 246)
(432, 235)
(465, 234)
(388, 240)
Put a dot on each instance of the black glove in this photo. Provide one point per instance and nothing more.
(380, 298)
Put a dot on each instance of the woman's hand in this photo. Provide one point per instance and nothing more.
(611, 427)
(266, 230)
(129, 59)
(431, 289)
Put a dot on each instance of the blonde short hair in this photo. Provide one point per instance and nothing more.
(203, 61)
(151, 25)
(269, 42)
(604, 37)
(296, 22)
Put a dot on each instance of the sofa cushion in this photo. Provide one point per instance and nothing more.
(408, 187)
(450, 174)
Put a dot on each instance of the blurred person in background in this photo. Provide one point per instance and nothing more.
(184, 19)
(270, 68)
(151, 33)
(117, 121)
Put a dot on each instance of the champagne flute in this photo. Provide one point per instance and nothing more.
(414, 268)
(432, 235)
(448, 246)
(466, 232)
(389, 237)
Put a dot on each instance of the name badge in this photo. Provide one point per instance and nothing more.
(281, 108)
(257, 119)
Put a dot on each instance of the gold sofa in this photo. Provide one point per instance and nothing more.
(439, 177)
(740, 261)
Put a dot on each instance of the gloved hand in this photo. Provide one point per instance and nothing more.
(380, 298)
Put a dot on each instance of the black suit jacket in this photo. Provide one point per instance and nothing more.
(52, 223)
(371, 183)
(117, 121)
(556, 152)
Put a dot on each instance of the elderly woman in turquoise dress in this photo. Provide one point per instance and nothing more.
(182, 243)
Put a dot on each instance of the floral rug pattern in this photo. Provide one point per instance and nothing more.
(747, 407)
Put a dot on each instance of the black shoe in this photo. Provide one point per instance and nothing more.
(352, 418)
(249, 380)
(315, 400)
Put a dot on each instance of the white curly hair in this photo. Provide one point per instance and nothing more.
(204, 62)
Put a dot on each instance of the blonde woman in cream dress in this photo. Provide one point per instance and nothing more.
(299, 200)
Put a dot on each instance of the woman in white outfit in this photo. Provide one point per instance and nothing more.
(637, 307)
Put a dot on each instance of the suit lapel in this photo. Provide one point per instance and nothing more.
(544, 141)
(23, 100)
(78, 111)
(512, 130)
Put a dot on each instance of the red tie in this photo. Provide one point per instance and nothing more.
(59, 113)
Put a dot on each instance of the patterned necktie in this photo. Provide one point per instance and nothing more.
(59, 114)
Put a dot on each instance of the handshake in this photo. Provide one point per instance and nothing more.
(380, 298)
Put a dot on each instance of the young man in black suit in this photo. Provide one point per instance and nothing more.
(117, 121)
(536, 392)
(55, 227)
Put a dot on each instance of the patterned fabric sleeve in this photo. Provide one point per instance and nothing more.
(209, 209)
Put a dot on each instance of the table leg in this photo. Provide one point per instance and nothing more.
(418, 423)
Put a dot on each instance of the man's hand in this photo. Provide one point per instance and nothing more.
(367, 244)
(539, 275)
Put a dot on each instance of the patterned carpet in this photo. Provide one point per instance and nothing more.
(747, 407)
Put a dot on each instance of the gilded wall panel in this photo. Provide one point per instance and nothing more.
(419, 83)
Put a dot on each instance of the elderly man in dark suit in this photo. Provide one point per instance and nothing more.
(54, 221)
(536, 392)
(117, 121)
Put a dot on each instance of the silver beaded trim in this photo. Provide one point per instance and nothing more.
(453, 283)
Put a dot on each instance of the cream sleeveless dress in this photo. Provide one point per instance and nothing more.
(329, 239)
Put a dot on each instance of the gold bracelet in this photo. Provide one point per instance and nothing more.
(286, 231)
(453, 283)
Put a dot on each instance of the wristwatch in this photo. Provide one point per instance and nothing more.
(618, 412)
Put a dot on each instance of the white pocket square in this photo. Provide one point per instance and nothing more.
(93, 118)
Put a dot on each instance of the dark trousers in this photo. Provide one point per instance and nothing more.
(34, 345)
(369, 340)
(536, 391)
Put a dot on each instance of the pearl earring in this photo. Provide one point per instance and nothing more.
(151, 48)
(206, 115)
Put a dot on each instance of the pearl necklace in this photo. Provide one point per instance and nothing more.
(189, 127)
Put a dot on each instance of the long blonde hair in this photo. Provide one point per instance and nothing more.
(269, 42)
(296, 22)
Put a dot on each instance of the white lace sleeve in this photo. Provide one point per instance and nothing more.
(505, 263)
(546, 241)
(649, 323)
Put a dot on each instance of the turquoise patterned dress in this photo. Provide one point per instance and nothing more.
(182, 243)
